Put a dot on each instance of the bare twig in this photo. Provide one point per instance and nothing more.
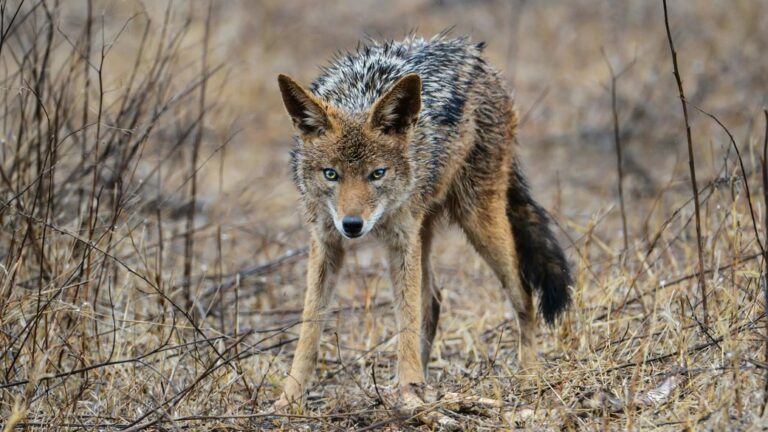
(691, 166)
(189, 240)
(617, 140)
(744, 175)
(764, 279)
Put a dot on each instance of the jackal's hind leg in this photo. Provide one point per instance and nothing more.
(488, 229)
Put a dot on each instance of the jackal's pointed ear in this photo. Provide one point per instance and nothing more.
(399, 108)
(308, 115)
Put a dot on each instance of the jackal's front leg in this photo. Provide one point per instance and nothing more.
(405, 269)
(324, 261)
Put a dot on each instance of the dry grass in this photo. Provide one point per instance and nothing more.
(100, 118)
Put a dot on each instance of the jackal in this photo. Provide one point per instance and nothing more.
(392, 138)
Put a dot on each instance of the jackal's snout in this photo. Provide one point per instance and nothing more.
(353, 226)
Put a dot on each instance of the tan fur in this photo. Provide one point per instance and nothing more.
(470, 190)
(325, 255)
(430, 293)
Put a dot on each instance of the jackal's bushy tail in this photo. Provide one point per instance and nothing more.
(543, 266)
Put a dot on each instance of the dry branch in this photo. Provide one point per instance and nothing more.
(617, 141)
(691, 166)
(764, 279)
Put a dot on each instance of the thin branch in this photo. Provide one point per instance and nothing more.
(617, 140)
(691, 166)
(764, 279)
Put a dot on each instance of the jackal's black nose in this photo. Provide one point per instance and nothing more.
(353, 225)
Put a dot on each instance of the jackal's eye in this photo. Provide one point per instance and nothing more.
(377, 174)
(331, 174)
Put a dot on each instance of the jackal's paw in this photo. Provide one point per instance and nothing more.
(293, 390)
(529, 362)
(285, 402)
(410, 397)
(281, 404)
(421, 401)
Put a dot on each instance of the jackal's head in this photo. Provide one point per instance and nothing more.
(354, 167)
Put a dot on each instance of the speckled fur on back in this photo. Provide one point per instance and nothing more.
(392, 138)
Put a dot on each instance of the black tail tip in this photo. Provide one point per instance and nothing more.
(555, 295)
